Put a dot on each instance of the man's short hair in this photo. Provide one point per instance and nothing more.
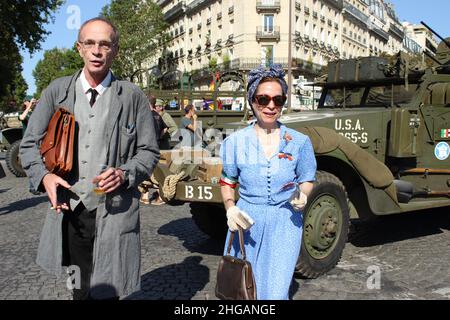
(115, 38)
(188, 108)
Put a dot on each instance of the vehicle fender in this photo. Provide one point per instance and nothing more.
(375, 173)
(10, 135)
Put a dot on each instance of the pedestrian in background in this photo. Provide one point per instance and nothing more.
(95, 233)
(170, 125)
(275, 168)
(189, 126)
(160, 125)
(24, 117)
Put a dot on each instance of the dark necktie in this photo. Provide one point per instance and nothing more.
(94, 94)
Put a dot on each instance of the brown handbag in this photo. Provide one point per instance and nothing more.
(58, 143)
(235, 279)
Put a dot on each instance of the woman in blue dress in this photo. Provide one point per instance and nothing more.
(275, 168)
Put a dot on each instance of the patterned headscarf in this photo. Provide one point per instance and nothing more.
(256, 75)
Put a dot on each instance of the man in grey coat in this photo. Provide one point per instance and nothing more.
(97, 235)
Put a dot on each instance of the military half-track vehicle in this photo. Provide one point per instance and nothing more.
(381, 136)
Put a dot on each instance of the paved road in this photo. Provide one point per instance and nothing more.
(180, 262)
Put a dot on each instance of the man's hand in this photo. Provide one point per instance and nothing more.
(194, 117)
(51, 182)
(236, 217)
(110, 179)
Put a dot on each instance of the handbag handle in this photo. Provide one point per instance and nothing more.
(241, 242)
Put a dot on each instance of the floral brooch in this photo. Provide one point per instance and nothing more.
(283, 155)
(287, 137)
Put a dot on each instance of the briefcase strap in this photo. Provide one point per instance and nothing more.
(241, 242)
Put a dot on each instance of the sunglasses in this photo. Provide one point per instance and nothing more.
(264, 100)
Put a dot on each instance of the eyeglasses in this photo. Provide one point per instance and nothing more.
(264, 100)
(103, 45)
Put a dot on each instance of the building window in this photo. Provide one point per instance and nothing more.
(268, 23)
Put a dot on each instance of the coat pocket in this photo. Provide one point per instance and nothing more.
(127, 142)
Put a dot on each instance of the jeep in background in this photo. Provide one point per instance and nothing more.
(381, 136)
(10, 138)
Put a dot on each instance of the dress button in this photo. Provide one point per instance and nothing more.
(89, 131)
(91, 116)
(86, 146)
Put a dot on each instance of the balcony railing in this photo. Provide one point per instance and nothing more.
(338, 4)
(264, 34)
(380, 33)
(396, 31)
(196, 5)
(266, 7)
(174, 12)
(231, 10)
(252, 63)
(355, 13)
(298, 6)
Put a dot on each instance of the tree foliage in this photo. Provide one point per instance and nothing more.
(141, 26)
(56, 63)
(21, 27)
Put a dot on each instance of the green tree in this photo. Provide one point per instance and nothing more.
(15, 90)
(21, 27)
(141, 26)
(226, 61)
(213, 63)
(56, 63)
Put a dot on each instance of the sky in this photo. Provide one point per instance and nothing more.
(69, 17)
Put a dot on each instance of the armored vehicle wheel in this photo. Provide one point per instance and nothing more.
(325, 226)
(13, 161)
(211, 219)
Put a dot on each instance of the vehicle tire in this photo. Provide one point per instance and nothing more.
(210, 219)
(13, 161)
(326, 222)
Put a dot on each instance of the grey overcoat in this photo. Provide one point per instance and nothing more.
(116, 256)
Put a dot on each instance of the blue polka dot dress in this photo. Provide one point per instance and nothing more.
(273, 243)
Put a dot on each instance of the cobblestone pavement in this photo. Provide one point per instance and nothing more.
(180, 262)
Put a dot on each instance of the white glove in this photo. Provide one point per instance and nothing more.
(298, 200)
(238, 218)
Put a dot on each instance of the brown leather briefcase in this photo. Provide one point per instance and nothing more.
(235, 279)
(58, 143)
